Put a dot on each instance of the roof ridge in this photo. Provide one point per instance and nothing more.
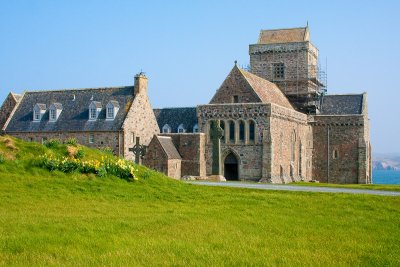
(79, 89)
(284, 29)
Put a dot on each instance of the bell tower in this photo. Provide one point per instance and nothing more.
(287, 58)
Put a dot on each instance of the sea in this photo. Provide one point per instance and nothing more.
(385, 177)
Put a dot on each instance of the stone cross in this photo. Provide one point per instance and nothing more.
(216, 133)
(138, 150)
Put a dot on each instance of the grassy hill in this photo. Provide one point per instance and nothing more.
(56, 218)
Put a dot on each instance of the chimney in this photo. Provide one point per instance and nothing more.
(140, 83)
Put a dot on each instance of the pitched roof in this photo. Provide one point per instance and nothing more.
(284, 36)
(268, 92)
(75, 114)
(176, 116)
(342, 104)
(169, 147)
(41, 106)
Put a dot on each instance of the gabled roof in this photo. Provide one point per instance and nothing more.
(168, 147)
(97, 104)
(40, 106)
(284, 36)
(57, 105)
(267, 91)
(75, 114)
(251, 89)
(176, 116)
(114, 103)
(342, 104)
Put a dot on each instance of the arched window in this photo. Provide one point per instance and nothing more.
(232, 131)
(181, 128)
(196, 128)
(252, 129)
(335, 154)
(166, 128)
(241, 130)
(222, 125)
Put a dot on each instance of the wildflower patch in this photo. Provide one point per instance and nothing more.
(107, 166)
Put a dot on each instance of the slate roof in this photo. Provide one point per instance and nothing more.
(175, 116)
(284, 36)
(58, 105)
(169, 147)
(341, 104)
(75, 112)
(267, 92)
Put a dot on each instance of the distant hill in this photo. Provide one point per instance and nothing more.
(382, 161)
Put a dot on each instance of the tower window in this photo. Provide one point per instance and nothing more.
(279, 70)
(241, 131)
(335, 154)
(231, 131)
(235, 99)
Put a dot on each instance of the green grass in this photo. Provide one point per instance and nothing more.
(385, 187)
(72, 219)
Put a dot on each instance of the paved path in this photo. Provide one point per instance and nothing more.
(297, 188)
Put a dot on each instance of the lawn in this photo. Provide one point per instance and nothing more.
(385, 187)
(52, 218)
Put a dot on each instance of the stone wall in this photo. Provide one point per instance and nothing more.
(301, 82)
(111, 140)
(340, 149)
(290, 142)
(140, 120)
(7, 109)
(191, 147)
(257, 158)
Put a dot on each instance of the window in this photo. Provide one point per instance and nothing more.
(53, 114)
(110, 113)
(235, 99)
(91, 138)
(335, 154)
(36, 115)
(166, 128)
(92, 113)
(251, 131)
(112, 108)
(241, 131)
(232, 131)
(279, 70)
(133, 138)
(196, 128)
(181, 128)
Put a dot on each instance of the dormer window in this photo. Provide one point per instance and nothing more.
(112, 109)
(181, 128)
(55, 111)
(166, 128)
(94, 110)
(38, 111)
(196, 128)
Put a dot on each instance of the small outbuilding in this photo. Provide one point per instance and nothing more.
(163, 156)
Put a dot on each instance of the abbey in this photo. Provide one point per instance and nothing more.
(276, 121)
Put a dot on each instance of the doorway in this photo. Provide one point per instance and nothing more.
(231, 168)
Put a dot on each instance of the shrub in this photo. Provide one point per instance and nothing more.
(80, 154)
(71, 141)
(71, 151)
(2, 159)
(52, 143)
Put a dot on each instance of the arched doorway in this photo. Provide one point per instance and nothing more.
(231, 167)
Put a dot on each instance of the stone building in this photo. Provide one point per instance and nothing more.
(100, 117)
(278, 123)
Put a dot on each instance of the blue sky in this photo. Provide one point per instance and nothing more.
(187, 48)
